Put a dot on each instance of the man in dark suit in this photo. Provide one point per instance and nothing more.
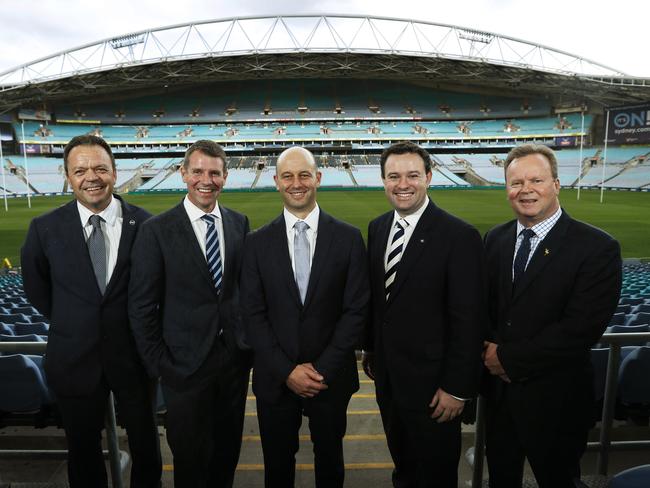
(304, 296)
(76, 262)
(185, 315)
(554, 284)
(423, 342)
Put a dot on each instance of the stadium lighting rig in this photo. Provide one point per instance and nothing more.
(127, 41)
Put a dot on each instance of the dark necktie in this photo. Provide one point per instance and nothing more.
(522, 255)
(394, 256)
(213, 251)
(97, 251)
(301, 257)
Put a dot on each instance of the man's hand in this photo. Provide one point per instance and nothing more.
(491, 361)
(445, 407)
(305, 381)
(368, 363)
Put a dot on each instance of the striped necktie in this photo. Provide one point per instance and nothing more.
(97, 251)
(521, 259)
(213, 251)
(394, 256)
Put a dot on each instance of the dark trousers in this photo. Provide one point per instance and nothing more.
(83, 420)
(204, 422)
(425, 452)
(547, 426)
(279, 425)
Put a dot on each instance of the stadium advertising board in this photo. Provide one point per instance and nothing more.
(629, 125)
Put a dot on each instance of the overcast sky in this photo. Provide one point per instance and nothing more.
(611, 32)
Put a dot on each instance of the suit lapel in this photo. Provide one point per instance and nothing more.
(418, 241)
(546, 250)
(229, 239)
(323, 242)
(506, 256)
(285, 270)
(129, 227)
(186, 240)
(378, 251)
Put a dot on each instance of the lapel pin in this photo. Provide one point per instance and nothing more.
(132, 222)
(546, 252)
(421, 241)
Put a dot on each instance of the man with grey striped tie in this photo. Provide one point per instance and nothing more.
(185, 315)
(423, 342)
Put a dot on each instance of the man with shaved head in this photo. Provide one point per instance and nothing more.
(304, 295)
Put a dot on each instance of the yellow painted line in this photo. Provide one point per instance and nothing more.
(351, 437)
(356, 395)
(304, 467)
(349, 412)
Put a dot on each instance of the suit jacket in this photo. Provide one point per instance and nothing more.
(326, 329)
(174, 307)
(428, 335)
(561, 305)
(89, 333)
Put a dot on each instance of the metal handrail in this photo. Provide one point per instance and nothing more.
(611, 384)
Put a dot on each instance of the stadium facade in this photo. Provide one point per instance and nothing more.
(344, 86)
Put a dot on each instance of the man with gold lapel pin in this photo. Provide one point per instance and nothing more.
(546, 311)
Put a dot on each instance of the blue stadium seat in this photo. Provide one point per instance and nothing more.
(631, 300)
(22, 387)
(642, 307)
(12, 318)
(641, 318)
(633, 378)
(24, 328)
(39, 318)
(26, 309)
(614, 329)
(624, 308)
(617, 319)
(6, 329)
(22, 338)
(638, 477)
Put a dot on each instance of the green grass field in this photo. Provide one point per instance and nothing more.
(625, 215)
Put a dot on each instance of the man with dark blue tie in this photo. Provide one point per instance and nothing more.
(304, 297)
(185, 314)
(554, 283)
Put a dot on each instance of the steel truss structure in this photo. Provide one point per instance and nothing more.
(323, 46)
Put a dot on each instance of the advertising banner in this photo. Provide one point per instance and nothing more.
(629, 125)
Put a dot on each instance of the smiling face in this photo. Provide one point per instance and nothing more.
(205, 177)
(532, 189)
(91, 176)
(406, 182)
(297, 179)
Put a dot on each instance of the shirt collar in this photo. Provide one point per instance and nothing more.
(195, 213)
(311, 220)
(542, 228)
(413, 218)
(110, 214)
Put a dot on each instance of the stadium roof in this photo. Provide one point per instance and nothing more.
(323, 46)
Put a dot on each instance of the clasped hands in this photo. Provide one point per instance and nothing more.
(305, 381)
(492, 362)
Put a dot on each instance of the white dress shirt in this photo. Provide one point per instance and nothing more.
(408, 223)
(111, 228)
(540, 230)
(312, 221)
(200, 227)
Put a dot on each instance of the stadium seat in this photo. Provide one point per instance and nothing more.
(638, 477)
(22, 387)
(39, 318)
(633, 378)
(642, 307)
(614, 329)
(624, 308)
(24, 328)
(26, 309)
(617, 319)
(22, 338)
(641, 318)
(631, 300)
(12, 318)
(6, 329)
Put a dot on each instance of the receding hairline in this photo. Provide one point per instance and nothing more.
(308, 156)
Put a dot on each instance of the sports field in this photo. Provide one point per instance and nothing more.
(625, 215)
